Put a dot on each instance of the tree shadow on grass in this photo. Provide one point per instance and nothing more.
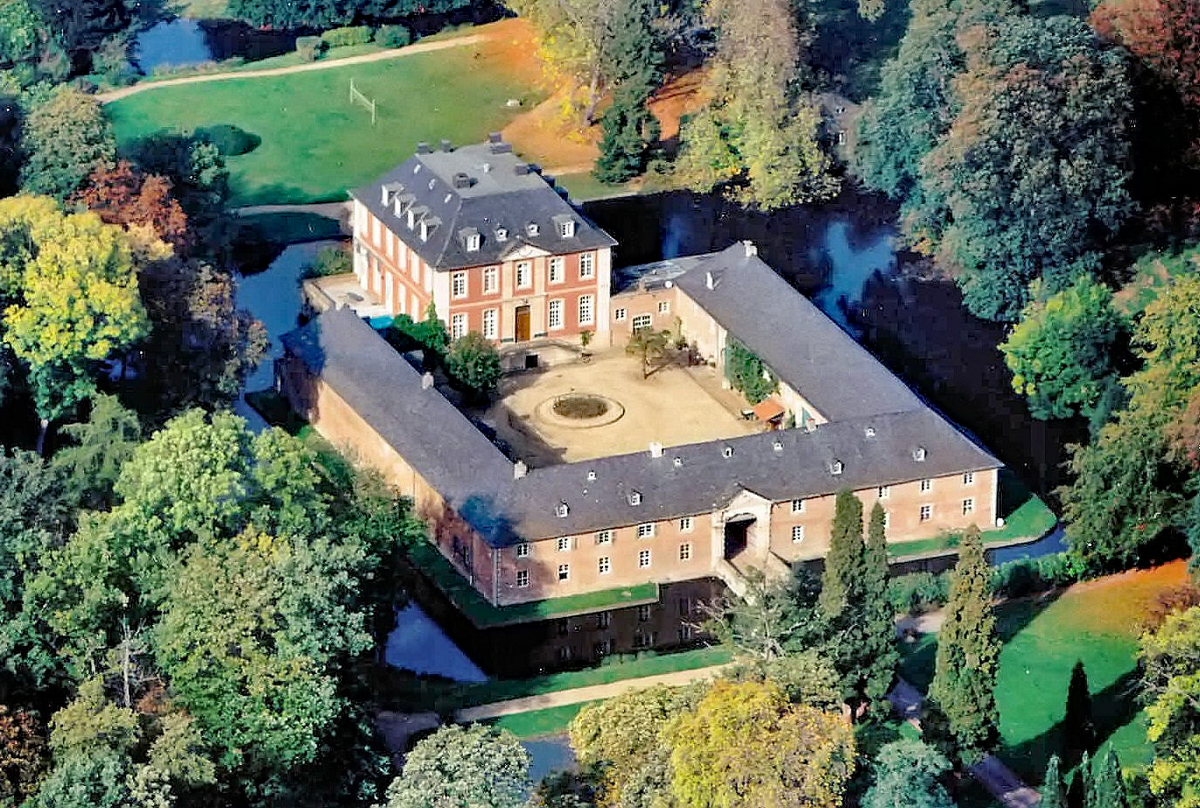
(1015, 615)
(1112, 708)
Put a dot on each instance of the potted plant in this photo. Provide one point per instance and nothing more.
(585, 339)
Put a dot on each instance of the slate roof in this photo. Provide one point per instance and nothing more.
(793, 337)
(477, 479)
(481, 190)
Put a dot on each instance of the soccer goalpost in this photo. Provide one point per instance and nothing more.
(356, 96)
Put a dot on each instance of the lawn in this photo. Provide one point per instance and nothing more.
(539, 723)
(315, 145)
(1097, 622)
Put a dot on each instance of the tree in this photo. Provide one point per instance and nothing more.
(23, 757)
(628, 129)
(744, 744)
(1107, 785)
(907, 773)
(1079, 728)
(776, 616)
(121, 194)
(101, 445)
(476, 766)
(968, 651)
(635, 57)
(1054, 790)
(747, 373)
(1063, 352)
(75, 299)
(879, 647)
(1169, 658)
(1165, 34)
(806, 677)
(473, 364)
(66, 139)
(846, 557)
(758, 134)
(649, 346)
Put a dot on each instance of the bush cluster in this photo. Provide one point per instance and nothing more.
(920, 592)
(310, 48)
(392, 36)
(350, 35)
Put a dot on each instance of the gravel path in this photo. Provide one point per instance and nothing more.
(394, 53)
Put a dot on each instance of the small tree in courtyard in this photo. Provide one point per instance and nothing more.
(968, 650)
(649, 346)
(474, 365)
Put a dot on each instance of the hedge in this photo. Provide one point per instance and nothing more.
(310, 48)
(920, 592)
(350, 35)
(392, 36)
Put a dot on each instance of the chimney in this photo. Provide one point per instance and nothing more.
(426, 381)
(710, 282)
(751, 250)
(495, 137)
(447, 146)
(519, 470)
(500, 148)
(462, 180)
(521, 169)
(656, 449)
(423, 147)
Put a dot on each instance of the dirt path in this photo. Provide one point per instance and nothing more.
(562, 698)
(331, 210)
(394, 53)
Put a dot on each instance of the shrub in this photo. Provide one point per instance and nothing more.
(350, 35)
(392, 36)
(473, 365)
(310, 48)
(1029, 575)
(918, 592)
(329, 261)
(747, 373)
(230, 140)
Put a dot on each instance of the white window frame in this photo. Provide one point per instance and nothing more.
(522, 579)
(884, 491)
(564, 572)
(587, 266)
(458, 285)
(797, 534)
(558, 269)
(562, 544)
(604, 537)
(491, 323)
(686, 525)
(604, 565)
(797, 506)
(473, 243)
(926, 485)
(887, 519)
(587, 309)
(644, 559)
(664, 307)
(685, 551)
(491, 280)
(968, 506)
(645, 530)
(524, 274)
(926, 512)
(554, 314)
(968, 478)
(619, 314)
(521, 550)
(642, 321)
(458, 326)
(566, 229)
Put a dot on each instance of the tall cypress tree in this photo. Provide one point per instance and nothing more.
(1107, 787)
(879, 648)
(632, 60)
(1079, 729)
(846, 558)
(968, 652)
(1054, 790)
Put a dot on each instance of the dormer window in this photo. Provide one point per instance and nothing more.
(677, 462)
(566, 229)
(424, 231)
(591, 475)
(635, 498)
(432, 183)
(836, 467)
(470, 239)
(532, 229)
(869, 432)
(473, 243)
(411, 219)
(727, 451)
(562, 509)
(501, 234)
(919, 454)
(777, 446)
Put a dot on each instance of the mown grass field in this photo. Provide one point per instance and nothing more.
(315, 144)
(1097, 622)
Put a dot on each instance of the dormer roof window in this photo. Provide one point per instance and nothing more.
(919, 454)
(677, 462)
(727, 451)
(591, 475)
(428, 225)
(777, 446)
(562, 509)
(836, 467)
(388, 191)
(501, 234)
(635, 497)
(566, 226)
(532, 229)
(869, 432)
(471, 239)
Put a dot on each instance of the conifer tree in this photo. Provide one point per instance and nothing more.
(968, 651)
(1080, 791)
(1107, 787)
(846, 557)
(633, 57)
(879, 650)
(1079, 729)
(1054, 790)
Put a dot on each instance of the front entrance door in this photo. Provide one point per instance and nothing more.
(736, 536)
(522, 324)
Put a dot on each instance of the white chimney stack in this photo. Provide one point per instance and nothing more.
(751, 250)
(710, 282)
(426, 381)
(519, 470)
(656, 449)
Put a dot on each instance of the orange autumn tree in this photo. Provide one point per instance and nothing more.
(126, 196)
(1165, 34)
